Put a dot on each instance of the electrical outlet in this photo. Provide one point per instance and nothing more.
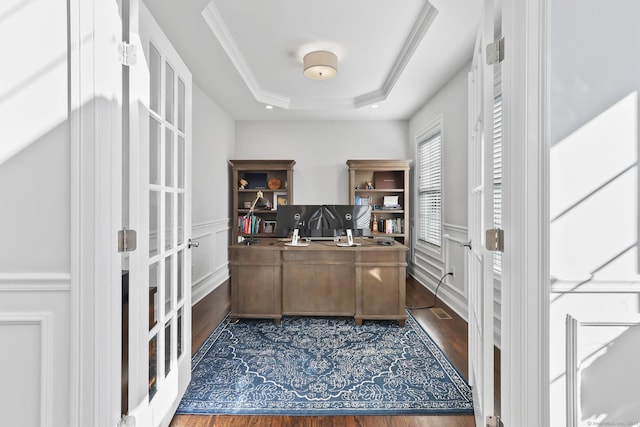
(452, 270)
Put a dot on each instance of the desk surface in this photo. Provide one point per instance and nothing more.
(320, 245)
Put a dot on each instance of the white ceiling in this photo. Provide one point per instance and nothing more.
(248, 53)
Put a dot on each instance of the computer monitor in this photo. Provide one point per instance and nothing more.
(336, 219)
(306, 218)
(323, 221)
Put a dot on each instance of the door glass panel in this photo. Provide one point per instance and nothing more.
(168, 284)
(154, 151)
(180, 331)
(168, 96)
(168, 155)
(181, 99)
(154, 222)
(180, 218)
(179, 290)
(154, 281)
(181, 164)
(155, 68)
(167, 348)
(153, 366)
(168, 230)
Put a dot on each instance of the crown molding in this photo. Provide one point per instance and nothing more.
(423, 22)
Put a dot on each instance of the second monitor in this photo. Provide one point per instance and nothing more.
(323, 221)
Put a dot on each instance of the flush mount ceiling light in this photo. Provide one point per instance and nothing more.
(320, 65)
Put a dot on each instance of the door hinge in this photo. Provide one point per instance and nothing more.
(494, 240)
(495, 52)
(127, 53)
(127, 421)
(127, 240)
(494, 421)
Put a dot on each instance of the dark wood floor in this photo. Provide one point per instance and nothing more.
(450, 335)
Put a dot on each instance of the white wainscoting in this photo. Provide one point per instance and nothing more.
(27, 368)
(35, 337)
(429, 267)
(602, 370)
(210, 261)
(35, 282)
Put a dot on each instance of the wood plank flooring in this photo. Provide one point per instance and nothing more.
(450, 335)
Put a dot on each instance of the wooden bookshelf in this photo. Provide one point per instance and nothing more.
(375, 181)
(259, 174)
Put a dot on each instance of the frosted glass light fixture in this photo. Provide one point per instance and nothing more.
(320, 65)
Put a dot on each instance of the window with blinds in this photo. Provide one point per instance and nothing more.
(430, 189)
(497, 174)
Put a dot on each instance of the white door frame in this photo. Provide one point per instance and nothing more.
(525, 275)
(95, 215)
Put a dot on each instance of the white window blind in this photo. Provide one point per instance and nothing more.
(497, 174)
(430, 189)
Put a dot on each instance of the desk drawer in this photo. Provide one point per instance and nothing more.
(319, 257)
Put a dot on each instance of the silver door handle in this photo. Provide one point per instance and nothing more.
(466, 245)
(193, 244)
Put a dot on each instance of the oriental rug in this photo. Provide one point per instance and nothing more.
(323, 366)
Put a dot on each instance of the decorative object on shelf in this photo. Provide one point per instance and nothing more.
(274, 183)
(369, 185)
(390, 202)
(243, 183)
(388, 179)
(365, 201)
(247, 205)
(256, 180)
(269, 226)
(279, 199)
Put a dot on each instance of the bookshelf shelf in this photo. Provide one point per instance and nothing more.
(370, 181)
(258, 174)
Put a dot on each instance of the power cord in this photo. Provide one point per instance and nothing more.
(435, 295)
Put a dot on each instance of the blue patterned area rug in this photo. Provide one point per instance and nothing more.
(323, 366)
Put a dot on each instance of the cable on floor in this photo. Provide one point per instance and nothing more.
(435, 296)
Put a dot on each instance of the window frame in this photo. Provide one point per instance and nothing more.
(433, 129)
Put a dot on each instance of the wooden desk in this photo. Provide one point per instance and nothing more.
(270, 279)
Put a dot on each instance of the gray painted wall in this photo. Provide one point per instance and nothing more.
(321, 150)
(429, 266)
(213, 144)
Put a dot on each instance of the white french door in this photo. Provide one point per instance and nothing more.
(480, 218)
(160, 211)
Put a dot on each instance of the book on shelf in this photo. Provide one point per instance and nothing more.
(391, 226)
(250, 224)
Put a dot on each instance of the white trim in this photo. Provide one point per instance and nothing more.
(217, 224)
(215, 21)
(573, 364)
(627, 287)
(525, 308)
(571, 360)
(216, 230)
(95, 135)
(35, 282)
(42, 319)
(462, 229)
